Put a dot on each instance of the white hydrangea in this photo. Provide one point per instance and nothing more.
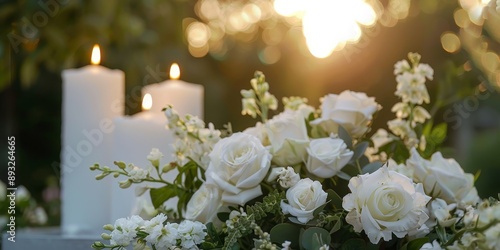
(154, 228)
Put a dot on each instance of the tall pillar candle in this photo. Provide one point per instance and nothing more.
(92, 97)
(185, 97)
(134, 138)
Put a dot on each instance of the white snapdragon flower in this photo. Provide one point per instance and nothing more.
(401, 109)
(287, 177)
(303, 198)
(425, 70)
(420, 115)
(401, 128)
(136, 173)
(379, 139)
(401, 67)
(168, 236)
(125, 230)
(492, 237)
(154, 156)
(327, 156)
(411, 88)
(191, 234)
(385, 203)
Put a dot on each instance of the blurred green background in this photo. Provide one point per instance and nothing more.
(41, 38)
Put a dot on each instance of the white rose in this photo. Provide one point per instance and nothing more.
(327, 156)
(238, 164)
(287, 134)
(351, 110)
(204, 204)
(385, 203)
(443, 178)
(303, 198)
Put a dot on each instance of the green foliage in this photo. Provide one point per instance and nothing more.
(286, 232)
(314, 238)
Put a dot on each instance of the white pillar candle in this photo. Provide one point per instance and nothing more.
(134, 138)
(92, 97)
(186, 98)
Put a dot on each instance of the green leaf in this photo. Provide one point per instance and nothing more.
(359, 150)
(309, 240)
(372, 167)
(353, 244)
(286, 232)
(344, 135)
(160, 195)
(335, 198)
(336, 227)
(415, 244)
(343, 176)
(319, 210)
(438, 133)
(224, 216)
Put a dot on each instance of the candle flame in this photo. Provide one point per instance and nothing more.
(147, 102)
(175, 71)
(96, 55)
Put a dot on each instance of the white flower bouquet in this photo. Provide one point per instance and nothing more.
(311, 178)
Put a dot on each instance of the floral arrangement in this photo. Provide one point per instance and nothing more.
(310, 178)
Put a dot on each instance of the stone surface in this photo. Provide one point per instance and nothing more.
(48, 239)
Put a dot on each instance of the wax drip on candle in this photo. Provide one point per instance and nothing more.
(96, 55)
(147, 102)
(175, 71)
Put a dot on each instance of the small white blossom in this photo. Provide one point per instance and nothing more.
(441, 211)
(425, 70)
(420, 115)
(125, 230)
(286, 245)
(191, 233)
(401, 67)
(411, 88)
(287, 177)
(401, 109)
(431, 246)
(137, 173)
(492, 237)
(154, 156)
(401, 128)
(168, 237)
